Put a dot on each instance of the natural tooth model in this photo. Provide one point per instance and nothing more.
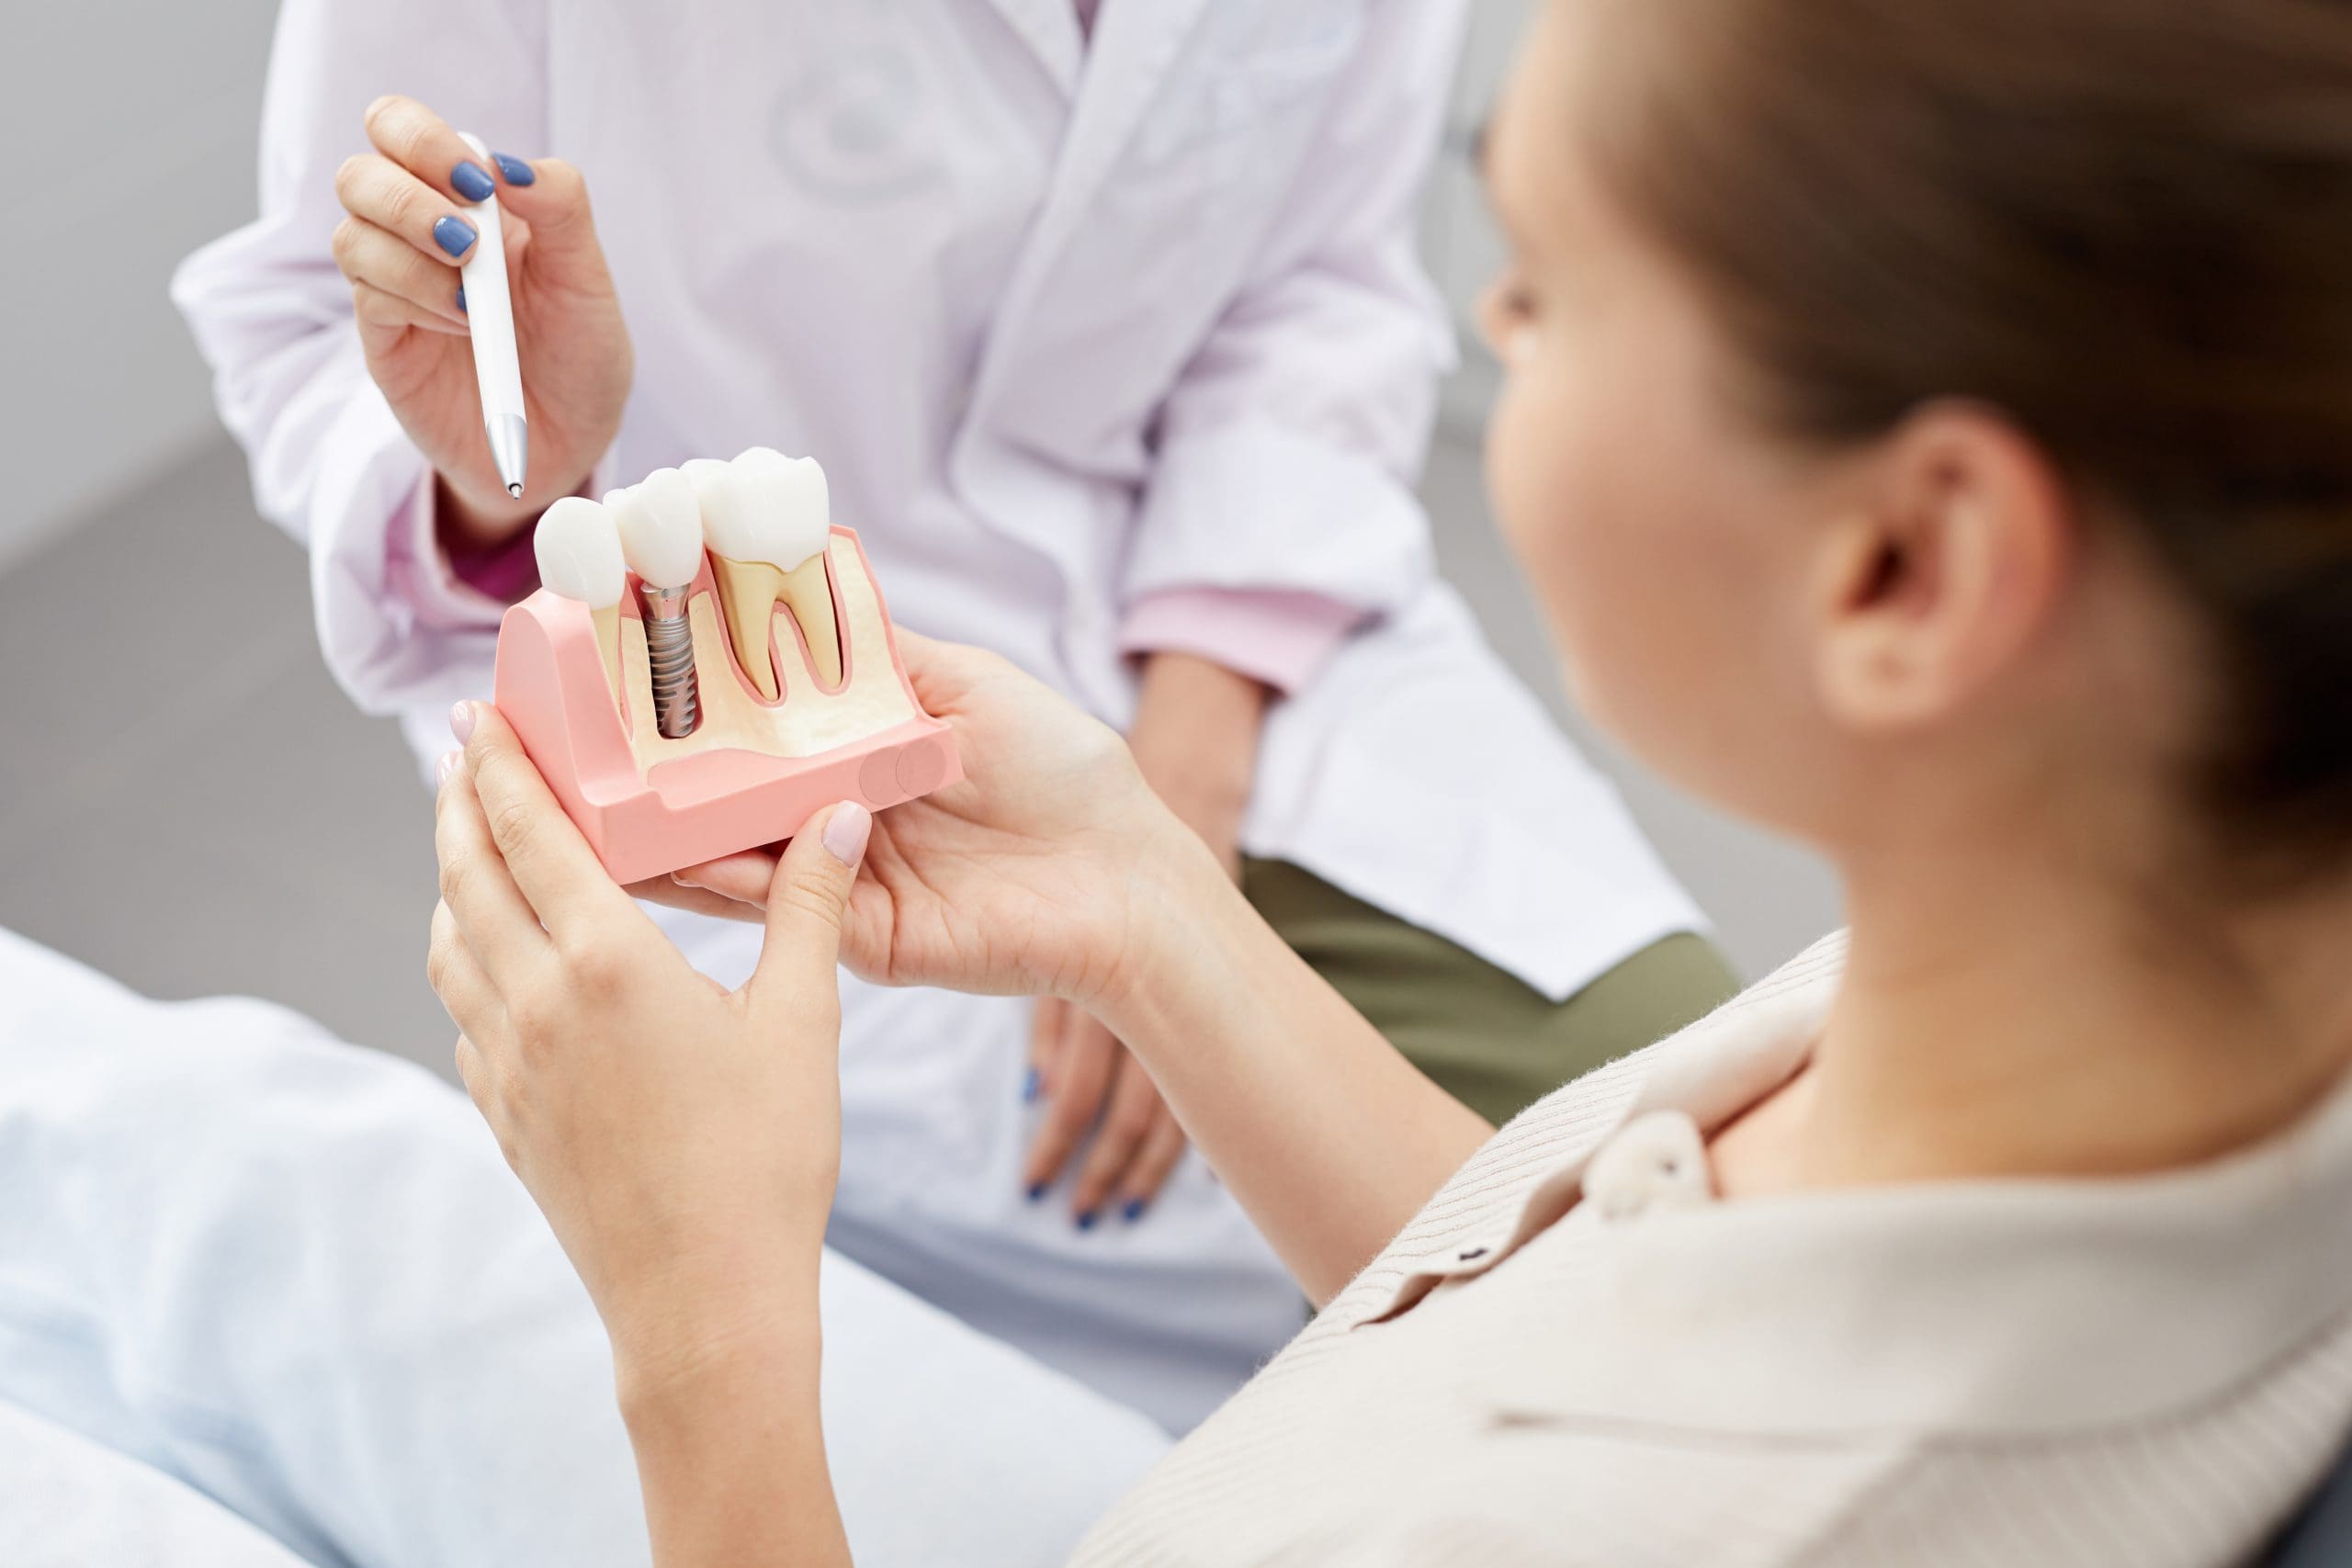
(578, 549)
(768, 518)
(661, 529)
(707, 474)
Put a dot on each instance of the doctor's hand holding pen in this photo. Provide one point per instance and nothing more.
(404, 236)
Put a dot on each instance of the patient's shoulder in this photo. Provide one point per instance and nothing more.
(1738, 1051)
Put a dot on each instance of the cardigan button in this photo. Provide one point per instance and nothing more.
(1656, 1161)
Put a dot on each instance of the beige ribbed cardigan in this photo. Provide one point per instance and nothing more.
(2142, 1373)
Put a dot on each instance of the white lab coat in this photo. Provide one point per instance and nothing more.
(1066, 324)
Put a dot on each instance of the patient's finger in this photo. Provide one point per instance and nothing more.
(1135, 1110)
(473, 1002)
(745, 878)
(481, 1087)
(473, 1071)
(674, 894)
(495, 920)
(1080, 1078)
(1155, 1163)
(547, 858)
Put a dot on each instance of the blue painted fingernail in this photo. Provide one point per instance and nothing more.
(1085, 1221)
(472, 180)
(1134, 1211)
(1030, 1086)
(514, 171)
(1037, 1193)
(453, 235)
(461, 296)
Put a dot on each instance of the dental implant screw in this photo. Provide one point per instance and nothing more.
(670, 654)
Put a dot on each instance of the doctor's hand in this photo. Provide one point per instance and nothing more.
(683, 1141)
(400, 244)
(1195, 740)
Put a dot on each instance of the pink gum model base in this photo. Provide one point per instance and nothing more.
(552, 686)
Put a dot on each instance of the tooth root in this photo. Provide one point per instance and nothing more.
(607, 621)
(747, 592)
(810, 597)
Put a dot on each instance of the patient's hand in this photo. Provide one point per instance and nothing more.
(683, 1141)
(1032, 876)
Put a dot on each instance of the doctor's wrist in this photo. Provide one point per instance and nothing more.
(475, 526)
(471, 523)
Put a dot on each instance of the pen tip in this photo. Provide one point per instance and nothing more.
(516, 490)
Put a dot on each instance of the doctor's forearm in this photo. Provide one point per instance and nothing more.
(1328, 1137)
(1195, 737)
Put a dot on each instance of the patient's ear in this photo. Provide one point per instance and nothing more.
(1947, 566)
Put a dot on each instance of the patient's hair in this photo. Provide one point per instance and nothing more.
(2125, 223)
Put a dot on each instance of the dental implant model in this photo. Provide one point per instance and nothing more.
(767, 518)
(715, 708)
(660, 531)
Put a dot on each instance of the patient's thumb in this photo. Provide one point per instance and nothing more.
(809, 895)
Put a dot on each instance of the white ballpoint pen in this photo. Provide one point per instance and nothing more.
(489, 317)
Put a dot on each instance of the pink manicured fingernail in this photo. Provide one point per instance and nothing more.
(461, 722)
(443, 769)
(846, 831)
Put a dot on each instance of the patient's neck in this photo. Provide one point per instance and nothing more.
(2013, 1014)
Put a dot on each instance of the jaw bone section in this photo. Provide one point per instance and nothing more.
(768, 521)
(872, 696)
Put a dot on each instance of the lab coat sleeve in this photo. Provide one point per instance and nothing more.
(330, 463)
(1281, 640)
(1286, 454)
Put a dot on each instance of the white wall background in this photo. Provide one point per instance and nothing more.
(130, 127)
